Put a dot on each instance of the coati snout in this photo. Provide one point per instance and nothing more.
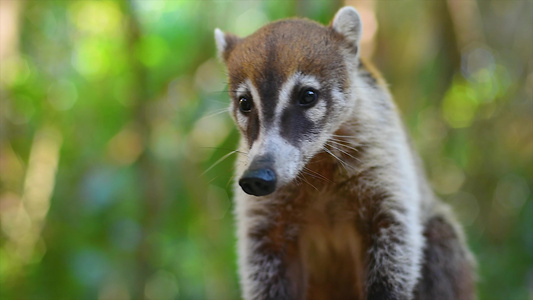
(258, 182)
(259, 179)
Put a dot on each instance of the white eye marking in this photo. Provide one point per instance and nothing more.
(317, 112)
(242, 120)
(309, 81)
(286, 89)
(255, 97)
(244, 89)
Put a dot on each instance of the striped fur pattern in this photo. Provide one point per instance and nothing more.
(351, 216)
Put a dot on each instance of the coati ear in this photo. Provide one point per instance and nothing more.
(225, 43)
(348, 23)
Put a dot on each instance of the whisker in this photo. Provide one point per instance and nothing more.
(315, 174)
(339, 149)
(304, 172)
(219, 161)
(234, 175)
(231, 179)
(225, 149)
(330, 153)
(213, 179)
(347, 142)
(348, 147)
(343, 136)
(224, 91)
(226, 103)
(303, 178)
(344, 164)
(342, 140)
(297, 181)
(216, 112)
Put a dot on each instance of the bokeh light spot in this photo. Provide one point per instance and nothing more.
(152, 50)
(96, 17)
(14, 70)
(460, 105)
(62, 95)
(91, 58)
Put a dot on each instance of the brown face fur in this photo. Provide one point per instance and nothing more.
(283, 48)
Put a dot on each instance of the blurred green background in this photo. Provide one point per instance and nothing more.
(113, 111)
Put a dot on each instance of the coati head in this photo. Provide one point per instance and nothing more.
(290, 89)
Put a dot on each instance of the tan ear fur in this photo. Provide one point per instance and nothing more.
(348, 23)
(225, 43)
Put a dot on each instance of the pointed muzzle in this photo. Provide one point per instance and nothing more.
(258, 182)
(259, 179)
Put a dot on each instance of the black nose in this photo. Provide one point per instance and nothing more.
(258, 182)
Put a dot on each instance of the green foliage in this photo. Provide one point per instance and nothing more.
(114, 123)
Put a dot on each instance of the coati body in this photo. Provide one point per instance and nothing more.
(331, 202)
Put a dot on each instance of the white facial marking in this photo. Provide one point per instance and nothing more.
(287, 158)
(247, 89)
(309, 80)
(317, 112)
(255, 97)
(242, 90)
(286, 90)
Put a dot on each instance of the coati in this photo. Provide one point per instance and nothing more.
(331, 201)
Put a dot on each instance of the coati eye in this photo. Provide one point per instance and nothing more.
(245, 104)
(308, 97)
